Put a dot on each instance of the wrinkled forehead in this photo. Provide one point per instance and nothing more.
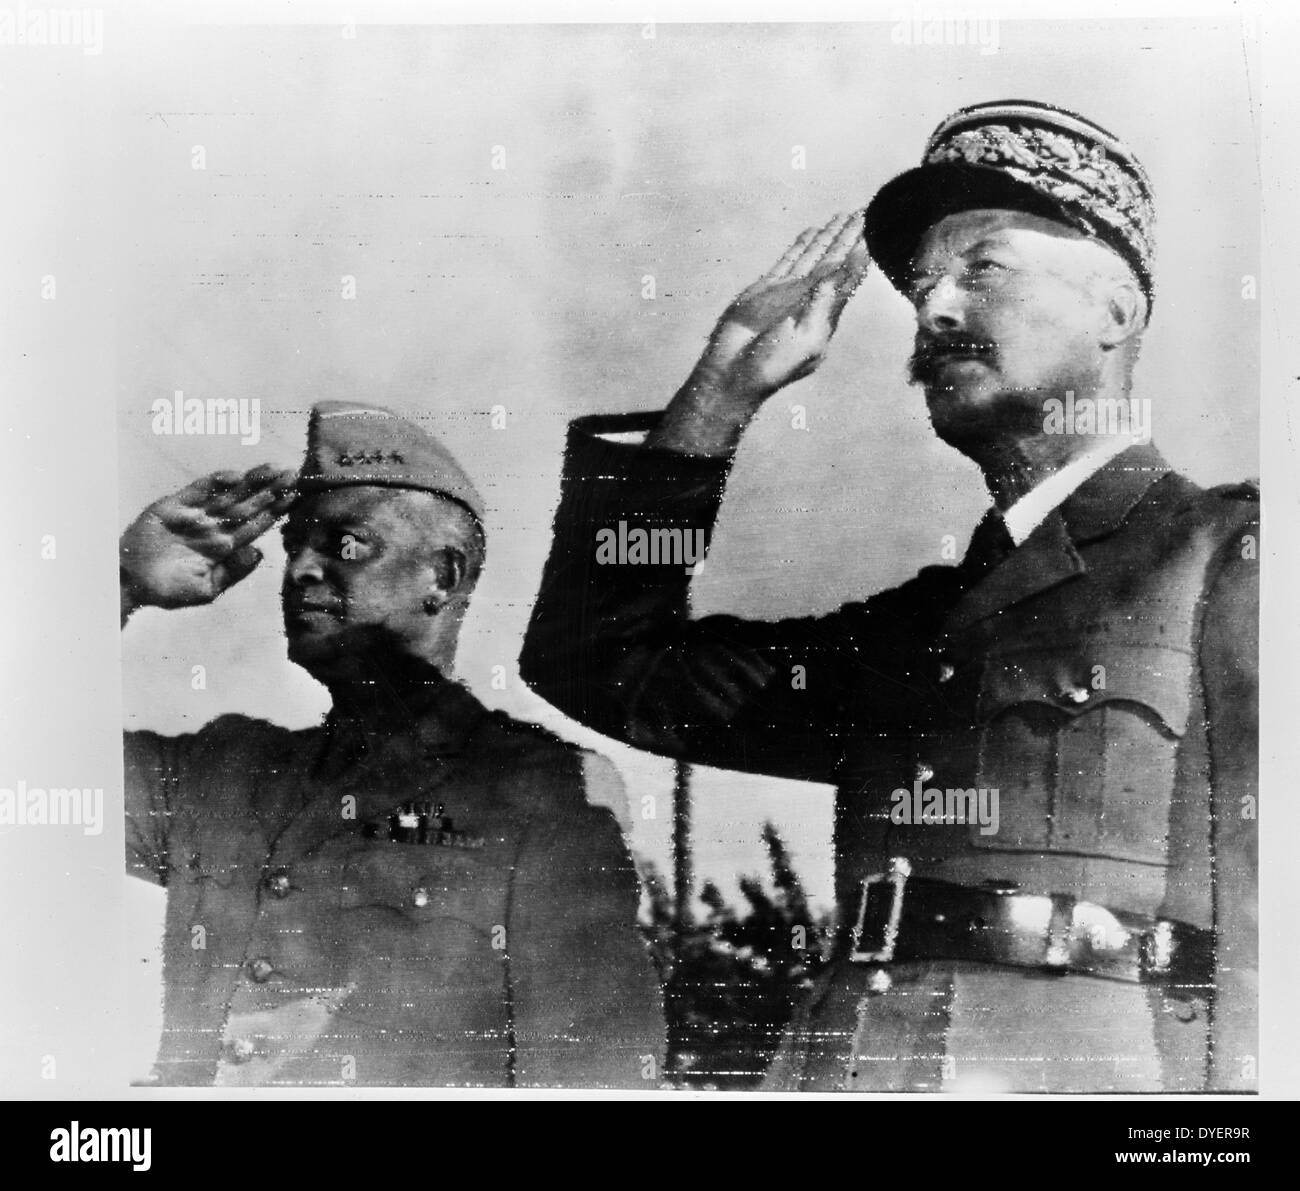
(960, 231)
(379, 507)
(1033, 239)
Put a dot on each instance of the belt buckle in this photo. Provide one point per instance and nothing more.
(1157, 954)
(896, 879)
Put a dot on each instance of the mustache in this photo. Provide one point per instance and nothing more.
(931, 350)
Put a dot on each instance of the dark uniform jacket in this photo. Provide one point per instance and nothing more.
(1101, 676)
(305, 947)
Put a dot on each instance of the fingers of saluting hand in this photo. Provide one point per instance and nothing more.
(253, 526)
(207, 488)
(846, 240)
(856, 263)
(257, 480)
(790, 255)
(842, 268)
(823, 243)
(223, 502)
(834, 285)
(215, 492)
(272, 499)
(217, 537)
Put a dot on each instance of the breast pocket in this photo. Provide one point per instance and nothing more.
(1083, 748)
(421, 884)
(423, 928)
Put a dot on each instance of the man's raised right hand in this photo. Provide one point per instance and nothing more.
(188, 548)
(774, 333)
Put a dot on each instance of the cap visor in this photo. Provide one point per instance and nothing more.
(905, 207)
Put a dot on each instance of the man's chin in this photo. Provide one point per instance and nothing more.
(330, 651)
(312, 649)
(961, 396)
(976, 409)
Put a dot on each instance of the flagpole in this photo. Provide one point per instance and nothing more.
(683, 874)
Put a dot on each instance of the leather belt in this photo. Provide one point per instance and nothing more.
(904, 918)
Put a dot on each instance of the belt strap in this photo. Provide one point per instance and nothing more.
(904, 918)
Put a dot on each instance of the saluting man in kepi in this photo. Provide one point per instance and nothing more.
(325, 924)
(1092, 661)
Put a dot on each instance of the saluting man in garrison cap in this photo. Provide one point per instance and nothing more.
(416, 893)
(1093, 659)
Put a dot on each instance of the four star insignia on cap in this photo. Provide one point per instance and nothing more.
(349, 442)
(347, 460)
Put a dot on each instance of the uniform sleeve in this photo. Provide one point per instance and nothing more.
(587, 1005)
(1230, 665)
(612, 643)
(149, 764)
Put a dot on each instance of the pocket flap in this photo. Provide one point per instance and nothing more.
(409, 877)
(1076, 681)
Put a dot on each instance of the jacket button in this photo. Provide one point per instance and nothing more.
(278, 883)
(260, 969)
(946, 671)
(923, 771)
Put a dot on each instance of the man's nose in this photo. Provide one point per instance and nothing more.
(943, 308)
(304, 566)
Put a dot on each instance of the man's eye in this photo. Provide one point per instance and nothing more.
(350, 546)
(920, 289)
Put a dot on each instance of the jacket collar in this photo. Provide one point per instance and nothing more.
(1101, 503)
(1049, 556)
(439, 721)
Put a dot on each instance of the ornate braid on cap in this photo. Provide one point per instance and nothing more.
(1069, 169)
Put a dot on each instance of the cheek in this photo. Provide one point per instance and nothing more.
(357, 588)
(382, 593)
(1040, 326)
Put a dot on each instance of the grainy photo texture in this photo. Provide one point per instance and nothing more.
(692, 556)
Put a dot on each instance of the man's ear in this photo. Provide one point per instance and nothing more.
(448, 569)
(1125, 314)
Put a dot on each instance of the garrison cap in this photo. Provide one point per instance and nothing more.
(1025, 156)
(351, 443)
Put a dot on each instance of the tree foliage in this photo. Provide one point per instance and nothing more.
(731, 979)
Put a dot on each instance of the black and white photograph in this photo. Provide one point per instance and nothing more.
(660, 554)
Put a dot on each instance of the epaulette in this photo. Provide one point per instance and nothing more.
(1244, 490)
(528, 734)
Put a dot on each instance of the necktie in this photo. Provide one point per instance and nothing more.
(989, 545)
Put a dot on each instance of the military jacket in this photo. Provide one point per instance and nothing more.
(303, 945)
(1102, 677)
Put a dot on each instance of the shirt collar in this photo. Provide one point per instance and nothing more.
(1032, 509)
